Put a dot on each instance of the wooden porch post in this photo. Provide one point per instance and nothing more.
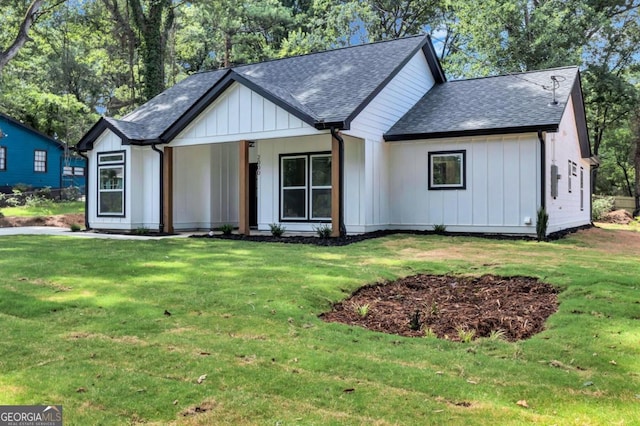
(243, 226)
(167, 190)
(335, 187)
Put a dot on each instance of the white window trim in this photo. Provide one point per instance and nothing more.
(3, 158)
(308, 188)
(463, 166)
(39, 161)
(112, 164)
(284, 188)
(312, 187)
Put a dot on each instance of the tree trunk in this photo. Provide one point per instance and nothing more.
(23, 34)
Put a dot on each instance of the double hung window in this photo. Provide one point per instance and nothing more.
(111, 184)
(305, 191)
(40, 161)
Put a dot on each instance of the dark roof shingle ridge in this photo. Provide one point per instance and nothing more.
(515, 74)
(337, 49)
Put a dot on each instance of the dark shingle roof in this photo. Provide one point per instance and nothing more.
(502, 104)
(321, 88)
(331, 85)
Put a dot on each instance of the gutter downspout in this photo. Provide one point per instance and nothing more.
(335, 134)
(86, 190)
(161, 169)
(543, 168)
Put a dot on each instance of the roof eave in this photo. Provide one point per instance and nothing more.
(32, 130)
(553, 127)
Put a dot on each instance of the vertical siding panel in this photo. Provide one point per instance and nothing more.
(245, 110)
(511, 183)
(478, 182)
(495, 183)
(282, 119)
(234, 111)
(222, 123)
(257, 112)
(294, 122)
(269, 116)
(528, 179)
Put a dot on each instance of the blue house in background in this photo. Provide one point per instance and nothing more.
(31, 158)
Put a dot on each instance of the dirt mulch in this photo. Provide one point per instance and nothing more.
(515, 306)
(60, 220)
(619, 217)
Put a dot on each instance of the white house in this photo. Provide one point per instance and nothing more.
(362, 138)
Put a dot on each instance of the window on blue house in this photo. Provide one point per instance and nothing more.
(3, 158)
(40, 161)
(111, 184)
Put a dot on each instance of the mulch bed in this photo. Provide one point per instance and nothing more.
(515, 306)
(350, 239)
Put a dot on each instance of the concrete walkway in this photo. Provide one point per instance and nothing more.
(65, 232)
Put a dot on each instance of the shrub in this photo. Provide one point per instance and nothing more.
(440, 229)
(141, 230)
(602, 206)
(71, 193)
(36, 200)
(75, 227)
(1, 215)
(323, 231)
(277, 230)
(226, 229)
(541, 224)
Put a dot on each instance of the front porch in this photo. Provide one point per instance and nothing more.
(244, 184)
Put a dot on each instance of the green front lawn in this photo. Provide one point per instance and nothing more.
(44, 208)
(84, 326)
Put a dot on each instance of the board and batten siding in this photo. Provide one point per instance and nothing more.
(142, 188)
(561, 147)
(394, 100)
(502, 187)
(205, 188)
(241, 114)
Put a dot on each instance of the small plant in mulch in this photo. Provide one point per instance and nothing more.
(141, 230)
(75, 227)
(362, 310)
(323, 231)
(277, 230)
(465, 335)
(414, 323)
(496, 335)
(226, 229)
(440, 229)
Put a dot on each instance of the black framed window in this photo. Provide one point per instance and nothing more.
(447, 170)
(40, 161)
(305, 187)
(111, 184)
(3, 158)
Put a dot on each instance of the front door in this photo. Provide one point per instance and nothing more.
(253, 194)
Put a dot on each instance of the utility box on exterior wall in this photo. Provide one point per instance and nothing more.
(555, 177)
